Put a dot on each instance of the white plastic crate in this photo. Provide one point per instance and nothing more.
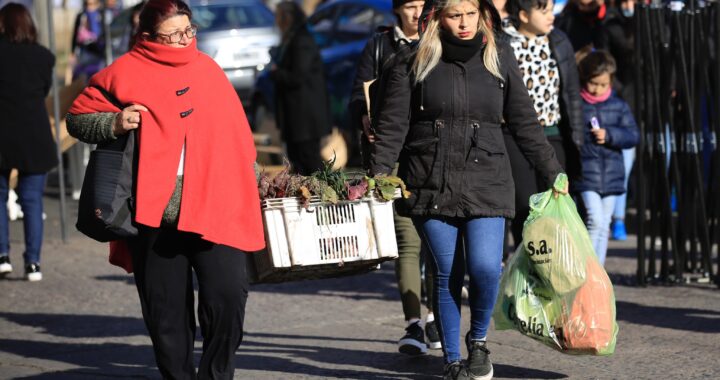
(324, 240)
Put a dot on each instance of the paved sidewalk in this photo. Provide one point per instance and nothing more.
(83, 322)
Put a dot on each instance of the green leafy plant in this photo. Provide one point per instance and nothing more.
(329, 185)
(335, 179)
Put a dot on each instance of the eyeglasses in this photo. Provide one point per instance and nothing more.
(176, 37)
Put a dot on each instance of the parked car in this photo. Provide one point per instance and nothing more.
(236, 33)
(341, 29)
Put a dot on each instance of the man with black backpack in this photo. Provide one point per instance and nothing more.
(380, 53)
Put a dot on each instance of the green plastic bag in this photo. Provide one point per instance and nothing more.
(555, 239)
(526, 304)
(554, 289)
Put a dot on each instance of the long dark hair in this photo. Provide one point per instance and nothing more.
(16, 24)
(156, 11)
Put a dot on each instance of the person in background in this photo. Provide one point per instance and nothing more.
(582, 21)
(26, 141)
(302, 104)
(131, 27)
(547, 63)
(87, 55)
(197, 205)
(441, 117)
(610, 129)
(388, 41)
(620, 37)
(502, 11)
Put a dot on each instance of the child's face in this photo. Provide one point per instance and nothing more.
(598, 85)
(538, 21)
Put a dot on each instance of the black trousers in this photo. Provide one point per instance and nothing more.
(305, 156)
(527, 180)
(163, 261)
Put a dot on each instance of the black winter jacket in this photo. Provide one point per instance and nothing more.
(619, 37)
(603, 169)
(446, 132)
(583, 28)
(26, 140)
(302, 105)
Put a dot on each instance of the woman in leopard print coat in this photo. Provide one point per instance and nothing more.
(547, 63)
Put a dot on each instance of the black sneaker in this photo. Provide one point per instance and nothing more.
(5, 266)
(413, 343)
(455, 371)
(32, 272)
(478, 363)
(433, 336)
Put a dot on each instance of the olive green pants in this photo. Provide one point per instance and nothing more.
(407, 268)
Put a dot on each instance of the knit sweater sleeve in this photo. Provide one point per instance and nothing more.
(92, 128)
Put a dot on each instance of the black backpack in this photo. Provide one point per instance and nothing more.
(381, 72)
(107, 198)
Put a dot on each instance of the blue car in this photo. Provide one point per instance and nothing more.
(341, 29)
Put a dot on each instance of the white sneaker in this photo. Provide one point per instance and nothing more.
(32, 273)
(5, 266)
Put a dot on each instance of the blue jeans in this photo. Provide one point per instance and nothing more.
(599, 216)
(457, 244)
(621, 202)
(30, 192)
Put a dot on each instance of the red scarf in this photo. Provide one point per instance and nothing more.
(190, 101)
(595, 99)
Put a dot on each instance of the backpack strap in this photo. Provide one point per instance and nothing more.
(377, 53)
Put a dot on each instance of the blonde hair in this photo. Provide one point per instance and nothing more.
(430, 47)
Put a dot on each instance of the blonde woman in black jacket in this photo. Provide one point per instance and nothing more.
(441, 117)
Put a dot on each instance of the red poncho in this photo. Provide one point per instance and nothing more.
(190, 101)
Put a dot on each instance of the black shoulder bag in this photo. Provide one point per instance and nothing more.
(107, 198)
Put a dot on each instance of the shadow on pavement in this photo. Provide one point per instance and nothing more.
(101, 360)
(311, 337)
(384, 286)
(128, 278)
(694, 320)
(79, 326)
(504, 371)
(623, 279)
(259, 352)
(295, 358)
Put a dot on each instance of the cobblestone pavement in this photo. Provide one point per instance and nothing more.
(83, 322)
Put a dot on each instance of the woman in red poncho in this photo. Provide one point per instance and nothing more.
(197, 205)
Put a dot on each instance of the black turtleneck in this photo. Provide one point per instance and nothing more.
(457, 50)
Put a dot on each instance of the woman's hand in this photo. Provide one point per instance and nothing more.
(563, 191)
(128, 119)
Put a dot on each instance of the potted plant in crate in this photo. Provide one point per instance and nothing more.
(326, 224)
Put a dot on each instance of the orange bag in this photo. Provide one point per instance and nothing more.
(590, 326)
